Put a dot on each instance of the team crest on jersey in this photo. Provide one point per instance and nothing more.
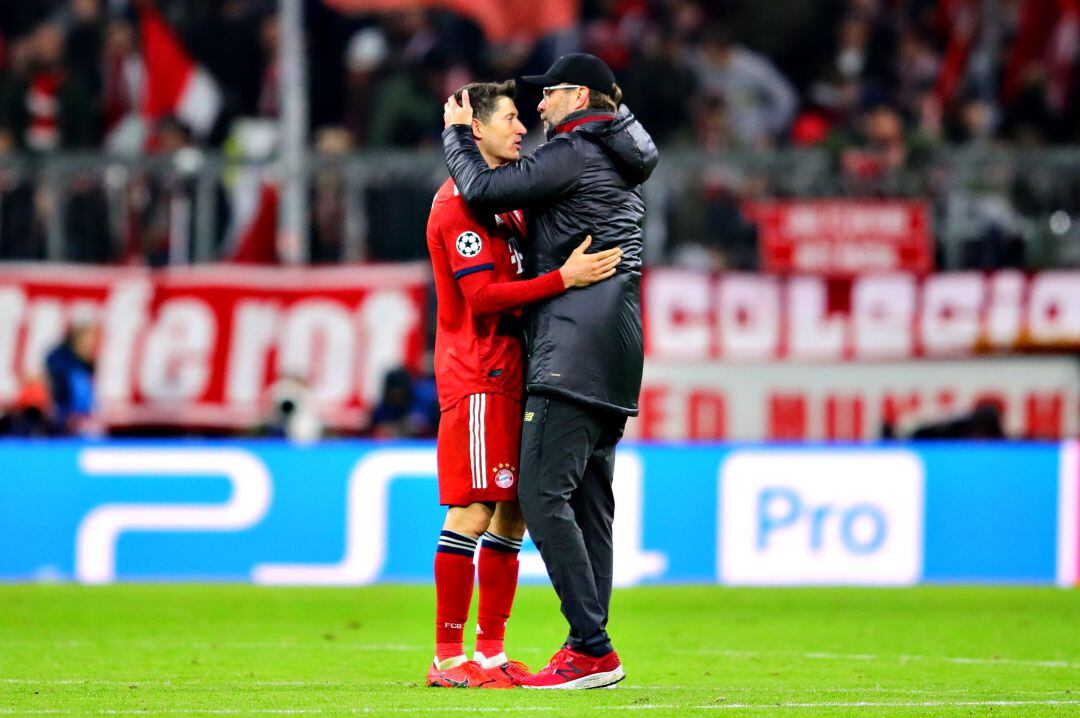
(468, 244)
(504, 476)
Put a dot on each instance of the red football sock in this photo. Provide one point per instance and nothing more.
(454, 577)
(498, 572)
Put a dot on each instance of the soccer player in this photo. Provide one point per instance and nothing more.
(479, 373)
(586, 348)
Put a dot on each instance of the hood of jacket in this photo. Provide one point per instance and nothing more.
(627, 143)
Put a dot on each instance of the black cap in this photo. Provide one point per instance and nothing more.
(577, 68)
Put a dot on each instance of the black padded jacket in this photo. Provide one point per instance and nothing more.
(585, 345)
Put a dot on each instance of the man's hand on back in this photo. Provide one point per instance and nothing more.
(455, 114)
(581, 270)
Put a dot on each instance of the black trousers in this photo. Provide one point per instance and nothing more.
(567, 467)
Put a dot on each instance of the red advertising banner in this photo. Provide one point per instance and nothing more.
(206, 346)
(203, 346)
(843, 237)
(1037, 397)
(695, 316)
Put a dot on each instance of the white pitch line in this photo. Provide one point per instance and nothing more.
(177, 683)
(144, 643)
(402, 647)
(195, 683)
(902, 658)
(874, 690)
(562, 707)
(886, 704)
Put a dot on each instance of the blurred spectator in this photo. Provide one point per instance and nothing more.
(122, 84)
(971, 121)
(161, 203)
(332, 144)
(28, 416)
(84, 41)
(918, 68)
(229, 37)
(707, 225)
(661, 86)
(364, 57)
(42, 103)
(70, 368)
(993, 232)
(403, 411)
(873, 159)
(984, 422)
(22, 231)
(408, 111)
(86, 218)
(711, 128)
(163, 227)
(614, 30)
(758, 101)
(425, 391)
(1039, 79)
(269, 103)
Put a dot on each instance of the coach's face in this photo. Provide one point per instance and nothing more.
(559, 101)
(500, 137)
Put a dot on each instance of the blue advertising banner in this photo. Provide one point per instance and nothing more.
(347, 513)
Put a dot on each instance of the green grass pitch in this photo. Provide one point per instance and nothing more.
(242, 650)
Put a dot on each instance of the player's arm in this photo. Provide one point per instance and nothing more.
(580, 270)
(551, 171)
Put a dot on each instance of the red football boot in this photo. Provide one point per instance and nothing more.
(502, 668)
(465, 675)
(569, 669)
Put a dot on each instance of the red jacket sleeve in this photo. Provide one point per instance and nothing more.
(488, 297)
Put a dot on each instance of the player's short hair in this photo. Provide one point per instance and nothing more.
(604, 101)
(484, 96)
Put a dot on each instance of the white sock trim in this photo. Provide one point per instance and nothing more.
(493, 662)
(448, 663)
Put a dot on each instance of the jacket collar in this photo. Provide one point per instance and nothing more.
(576, 119)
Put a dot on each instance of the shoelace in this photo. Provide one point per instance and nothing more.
(557, 658)
(474, 669)
(517, 669)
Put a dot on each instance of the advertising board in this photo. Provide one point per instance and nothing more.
(353, 513)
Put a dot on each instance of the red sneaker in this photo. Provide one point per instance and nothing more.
(466, 675)
(569, 669)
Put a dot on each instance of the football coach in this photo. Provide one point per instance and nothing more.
(585, 347)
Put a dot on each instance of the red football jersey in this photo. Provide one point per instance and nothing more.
(478, 345)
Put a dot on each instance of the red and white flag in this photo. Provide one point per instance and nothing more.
(253, 194)
(175, 84)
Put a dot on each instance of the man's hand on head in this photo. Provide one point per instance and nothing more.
(455, 114)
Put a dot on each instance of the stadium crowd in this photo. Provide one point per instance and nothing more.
(878, 86)
(714, 75)
(748, 100)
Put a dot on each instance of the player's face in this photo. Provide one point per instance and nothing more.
(503, 132)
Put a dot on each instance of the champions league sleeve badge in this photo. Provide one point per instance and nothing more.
(469, 244)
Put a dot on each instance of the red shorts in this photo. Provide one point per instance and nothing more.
(478, 445)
